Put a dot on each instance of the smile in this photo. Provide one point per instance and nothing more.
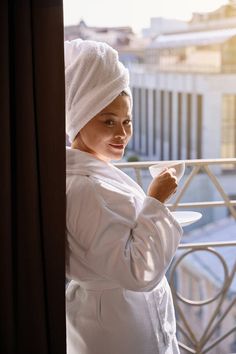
(117, 146)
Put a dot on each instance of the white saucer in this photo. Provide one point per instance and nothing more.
(186, 218)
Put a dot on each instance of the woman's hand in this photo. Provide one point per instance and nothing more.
(163, 186)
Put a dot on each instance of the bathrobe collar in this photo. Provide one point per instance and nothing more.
(85, 164)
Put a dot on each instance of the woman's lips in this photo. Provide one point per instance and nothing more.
(118, 146)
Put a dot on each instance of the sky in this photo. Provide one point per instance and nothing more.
(134, 13)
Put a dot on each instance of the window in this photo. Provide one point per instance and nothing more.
(228, 131)
(199, 126)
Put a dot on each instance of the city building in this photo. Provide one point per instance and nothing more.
(185, 91)
(185, 96)
(159, 25)
(131, 47)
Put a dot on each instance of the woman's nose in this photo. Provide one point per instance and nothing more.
(120, 131)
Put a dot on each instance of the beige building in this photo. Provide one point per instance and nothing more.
(186, 90)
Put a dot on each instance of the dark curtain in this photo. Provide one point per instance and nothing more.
(32, 177)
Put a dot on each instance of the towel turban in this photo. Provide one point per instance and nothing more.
(94, 77)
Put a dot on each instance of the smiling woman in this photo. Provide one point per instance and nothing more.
(120, 241)
(108, 133)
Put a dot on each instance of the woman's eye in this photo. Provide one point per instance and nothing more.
(128, 122)
(109, 122)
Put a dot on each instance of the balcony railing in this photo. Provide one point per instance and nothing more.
(216, 332)
(197, 167)
(207, 339)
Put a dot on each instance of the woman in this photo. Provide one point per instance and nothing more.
(120, 241)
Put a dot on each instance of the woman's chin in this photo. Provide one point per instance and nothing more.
(118, 156)
(114, 156)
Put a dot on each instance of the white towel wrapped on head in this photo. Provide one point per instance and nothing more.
(94, 77)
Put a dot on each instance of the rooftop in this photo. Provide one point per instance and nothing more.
(202, 38)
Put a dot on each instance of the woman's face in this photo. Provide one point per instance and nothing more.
(108, 133)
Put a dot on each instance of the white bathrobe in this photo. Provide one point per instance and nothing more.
(119, 245)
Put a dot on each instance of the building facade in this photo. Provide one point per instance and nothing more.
(184, 95)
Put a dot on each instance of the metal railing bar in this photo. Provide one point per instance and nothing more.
(220, 190)
(196, 162)
(198, 165)
(203, 245)
(201, 204)
(182, 330)
(185, 347)
(208, 331)
(185, 186)
(180, 313)
(219, 321)
(228, 283)
(220, 339)
(202, 302)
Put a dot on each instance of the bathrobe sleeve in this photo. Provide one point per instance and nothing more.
(109, 238)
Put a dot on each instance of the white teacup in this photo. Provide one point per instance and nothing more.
(179, 167)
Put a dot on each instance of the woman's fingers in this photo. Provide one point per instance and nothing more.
(164, 185)
(169, 174)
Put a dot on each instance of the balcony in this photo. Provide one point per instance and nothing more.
(202, 274)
